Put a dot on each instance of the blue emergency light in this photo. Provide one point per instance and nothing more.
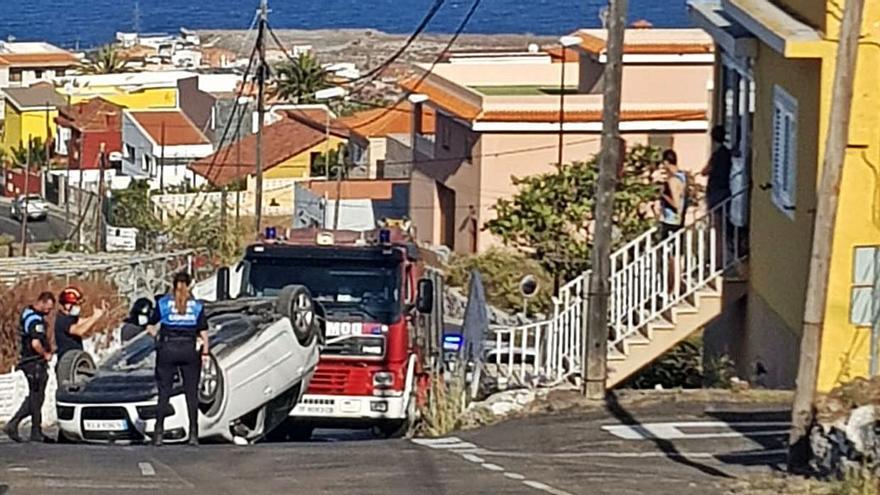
(384, 236)
(271, 233)
(452, 342)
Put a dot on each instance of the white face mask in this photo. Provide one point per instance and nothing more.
(75, 310)
(143, 320)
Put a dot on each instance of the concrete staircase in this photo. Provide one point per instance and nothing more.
(661, 292)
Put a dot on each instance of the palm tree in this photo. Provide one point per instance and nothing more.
(107, 60)
(297, 80)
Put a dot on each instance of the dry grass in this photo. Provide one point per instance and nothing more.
(443, 411)
(17, 297)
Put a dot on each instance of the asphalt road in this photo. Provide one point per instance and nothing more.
(52, 228)
(674, 449)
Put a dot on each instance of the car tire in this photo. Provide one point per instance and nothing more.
(211, 388)
(400, 428)
(74, 368)
(295, 302)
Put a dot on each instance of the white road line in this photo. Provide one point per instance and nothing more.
(493, 467)
(146, 469)
(515, 476)
(672, 430)
(473, 458)
(544, 487)
(639, 455)
(428, 442)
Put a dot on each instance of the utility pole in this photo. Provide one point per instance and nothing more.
(67, 177)
(238, 168)
(162, 160)
(24, 214)
(339, 170)
(261, 110)
(99, 213)
(823, 229)
(44, 166)
(595, 365)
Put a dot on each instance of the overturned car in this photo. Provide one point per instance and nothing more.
(263, 354)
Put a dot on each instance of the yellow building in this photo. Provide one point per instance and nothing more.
(773, 93)
(293, 148)
(135, 91)
(30, 113)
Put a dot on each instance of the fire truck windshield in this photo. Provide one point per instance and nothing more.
(355, 288)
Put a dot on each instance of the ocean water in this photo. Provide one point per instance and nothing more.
(93, 22)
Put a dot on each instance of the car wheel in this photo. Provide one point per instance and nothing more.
(74, 368)
(400, 428)
(211, 387)
(295, 302)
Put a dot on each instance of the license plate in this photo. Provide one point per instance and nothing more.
(106, 425)
(316, 409)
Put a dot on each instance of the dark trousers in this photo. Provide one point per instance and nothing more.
(173, 355)
(37, 374)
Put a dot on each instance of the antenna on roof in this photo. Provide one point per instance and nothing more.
(136, 17)
(603, 17)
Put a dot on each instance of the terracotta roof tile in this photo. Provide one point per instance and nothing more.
(95, 114)
(62, 59)
(591, 116)
(179, 129)
(556, 53)
(356, 189)
(596, 45)
(380, 122)
(442, 98)
(281, 141)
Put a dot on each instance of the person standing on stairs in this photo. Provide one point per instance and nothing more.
(673, 208)
(717, 192)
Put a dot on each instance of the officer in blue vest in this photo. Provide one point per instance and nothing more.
(35, 357)
(181, 320)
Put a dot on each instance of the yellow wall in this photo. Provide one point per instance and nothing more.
(137, 100)
(20, 125)
(780, 246)
(299, 165)
(845, 348)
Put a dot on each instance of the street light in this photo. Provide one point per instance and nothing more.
(566, 42)
(325, 95)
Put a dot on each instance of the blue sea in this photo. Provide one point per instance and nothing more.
(89, 23)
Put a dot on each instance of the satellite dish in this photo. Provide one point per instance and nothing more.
(528, 286)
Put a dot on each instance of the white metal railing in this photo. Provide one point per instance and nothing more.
(649, 276)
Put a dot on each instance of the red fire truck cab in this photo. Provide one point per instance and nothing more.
(368, 288)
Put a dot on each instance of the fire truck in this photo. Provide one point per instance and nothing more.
(381, 321)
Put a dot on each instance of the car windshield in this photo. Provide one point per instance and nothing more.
(139, 353)
(31, 199)
(356, 288)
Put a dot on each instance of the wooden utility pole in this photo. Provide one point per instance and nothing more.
(595, 369)
(99, 213)
(24, 213)
(238, 166)
(67, 173)
(823, 233)
(261, 111)
(339, 170)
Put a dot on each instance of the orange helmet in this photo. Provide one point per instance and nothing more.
(70, 295)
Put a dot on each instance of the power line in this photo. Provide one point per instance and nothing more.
(430, 70)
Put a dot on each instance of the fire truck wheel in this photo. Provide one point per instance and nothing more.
(290, 431)
(401, 428)
(295, 302)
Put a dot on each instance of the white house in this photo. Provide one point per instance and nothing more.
(158, 145)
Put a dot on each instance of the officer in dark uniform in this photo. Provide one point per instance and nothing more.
(35, 357)
(181, 320)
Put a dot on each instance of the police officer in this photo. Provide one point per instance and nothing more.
(35, 357)
(181, 320)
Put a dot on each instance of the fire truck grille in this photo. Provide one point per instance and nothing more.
(329, 381)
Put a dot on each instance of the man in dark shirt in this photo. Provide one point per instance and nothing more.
(717, 191)
(69, 327)
(718, 169)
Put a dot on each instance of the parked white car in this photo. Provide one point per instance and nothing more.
(263, 354)
(32, 203)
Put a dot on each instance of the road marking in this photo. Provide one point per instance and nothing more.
(515, 476)
(454, 444)
(544, 487)
(18, 469)
(639, 455)
(493, 467)
(672, 430)
(146, 469)
(473, 458)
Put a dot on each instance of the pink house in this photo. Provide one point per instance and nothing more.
(499, 117)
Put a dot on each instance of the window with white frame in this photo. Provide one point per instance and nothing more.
(784, 164)
(863, 303)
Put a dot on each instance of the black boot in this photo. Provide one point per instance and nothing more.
(38, 437)
(11, 430)
(157, 437)
(194, 437)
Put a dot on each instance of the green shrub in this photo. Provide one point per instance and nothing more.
(502, 271)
